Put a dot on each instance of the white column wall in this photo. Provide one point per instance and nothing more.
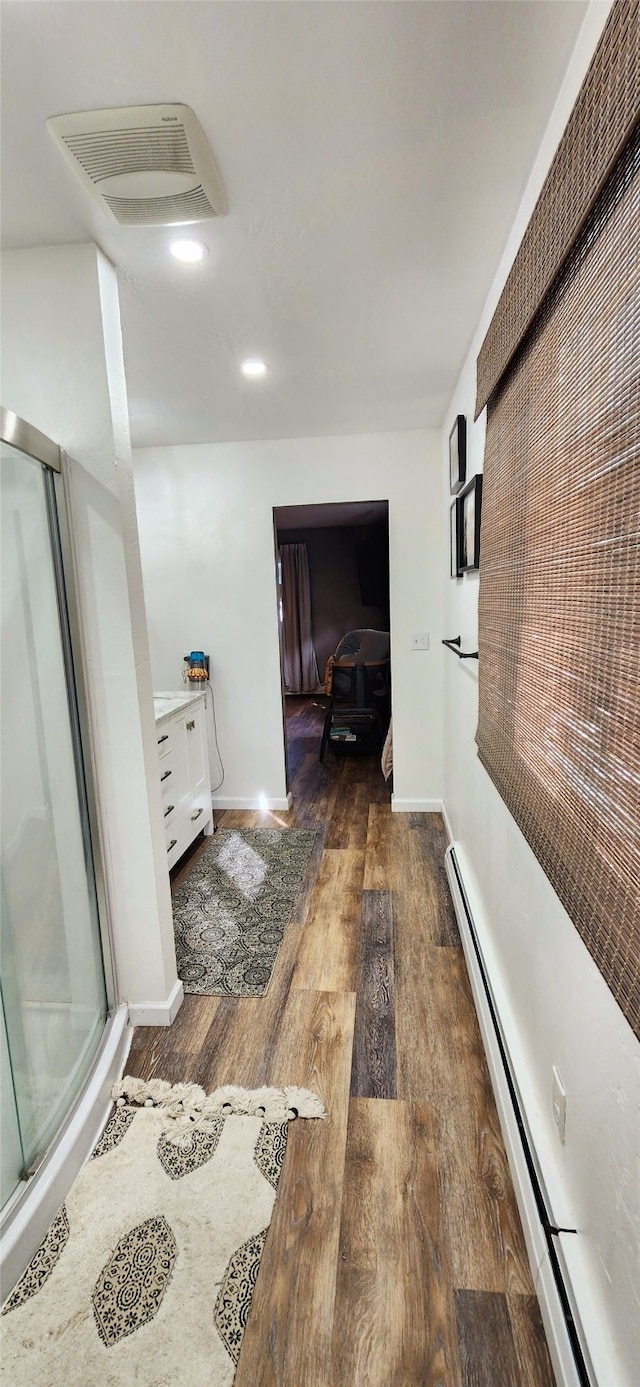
(63, 372)
(208, 558)
(555, 1005)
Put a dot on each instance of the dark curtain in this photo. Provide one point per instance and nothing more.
(299, 657)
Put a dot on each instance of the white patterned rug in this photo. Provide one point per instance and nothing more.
(231, 910)
(147, 1273)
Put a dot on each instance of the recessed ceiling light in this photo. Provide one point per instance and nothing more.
(253, 366)
(188, 251)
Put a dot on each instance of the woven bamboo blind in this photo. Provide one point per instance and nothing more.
(602, 120)
(559, 618)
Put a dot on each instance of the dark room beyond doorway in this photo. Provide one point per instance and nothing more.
(347, 547)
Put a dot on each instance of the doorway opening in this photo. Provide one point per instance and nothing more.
(332, 562)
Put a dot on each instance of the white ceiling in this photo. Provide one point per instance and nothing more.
(373, 156)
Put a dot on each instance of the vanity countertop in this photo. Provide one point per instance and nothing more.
(166, 703)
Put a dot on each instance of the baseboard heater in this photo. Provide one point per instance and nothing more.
(567, 1347)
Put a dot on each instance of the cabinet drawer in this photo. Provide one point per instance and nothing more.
(170, 806)
(191, 821)
(172, 840)
(199, 811)
(164, 737)
(166, 770)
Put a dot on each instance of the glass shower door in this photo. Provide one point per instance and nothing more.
(53, 985)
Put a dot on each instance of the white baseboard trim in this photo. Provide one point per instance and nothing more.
(560, 1352)
(257, 802)
(447, 822)
(37, 1203)
(415, 806)
(558, 1340)
(158, 1013)
(534, 1236)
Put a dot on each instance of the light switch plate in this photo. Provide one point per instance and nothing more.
(420, 640)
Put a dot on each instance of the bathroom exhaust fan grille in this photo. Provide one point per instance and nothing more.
(128, 151)
(149, 165)
(161, 211)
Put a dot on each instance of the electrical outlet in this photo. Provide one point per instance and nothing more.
(559, 1100)
(420, 641)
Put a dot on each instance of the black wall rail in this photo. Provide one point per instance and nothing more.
(454, 645)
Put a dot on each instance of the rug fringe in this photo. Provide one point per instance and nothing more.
(191, 1104)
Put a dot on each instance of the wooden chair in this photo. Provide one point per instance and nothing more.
(359, 696)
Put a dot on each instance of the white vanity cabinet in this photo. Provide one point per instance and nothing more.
(183, 769)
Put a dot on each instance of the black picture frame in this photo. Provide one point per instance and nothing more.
(458, 454)
(454, 538)
(470, 502)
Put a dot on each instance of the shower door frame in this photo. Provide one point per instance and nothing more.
(27, 439)
(29, 1211)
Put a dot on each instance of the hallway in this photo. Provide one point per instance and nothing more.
(395, 1257)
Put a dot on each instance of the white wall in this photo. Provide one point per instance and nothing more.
(207, 544)
(557, 1008)
(63, 372)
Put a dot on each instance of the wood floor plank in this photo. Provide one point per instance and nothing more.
(153, 1046)
(238, 818)
(156, 1057)
(375, 865)
(433, 842)
(194, 1021)
(487, 1352)
(299, 747)
(447, 1068)
(288, 1336)
(374, 1048)
(157, 1051)
(530, 1342)
(237, 1046)
(381, 791)
(255, 818)
(406, 866)
(301, 905)
(358, 769)
(384, 833)
(487, 1247)
(315, 790)
(394, 1318)
(433, 1001)
(424, 883)
(348, 827)
(328, 955)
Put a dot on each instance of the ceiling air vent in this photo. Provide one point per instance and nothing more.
(149, 165)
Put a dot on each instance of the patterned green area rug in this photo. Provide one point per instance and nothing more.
(231, 911)
(147, 1273)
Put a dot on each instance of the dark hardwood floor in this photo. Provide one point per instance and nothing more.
(395, 1257)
